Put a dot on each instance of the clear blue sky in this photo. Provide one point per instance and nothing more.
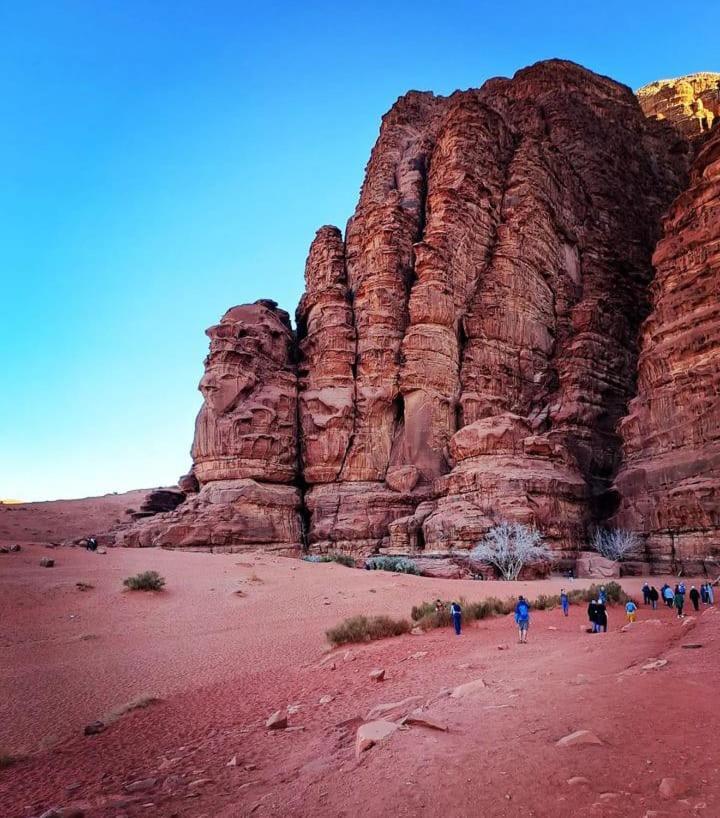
(165, 160)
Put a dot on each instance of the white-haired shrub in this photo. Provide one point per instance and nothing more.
(616, 543)
(510, 546)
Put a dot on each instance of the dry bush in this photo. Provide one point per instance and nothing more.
(509, 547)
(145, 581)
(7, 759)
(616, 543)
(136, 704)
(366, 629)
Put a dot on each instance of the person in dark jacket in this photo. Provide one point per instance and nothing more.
(695, 598)
(601, 616)
(592, 615)
(646, 593)
(654, 596)
(679, 602)
(456, 613)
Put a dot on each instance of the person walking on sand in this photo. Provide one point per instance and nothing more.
(456, 613)
(679, 602)
(668, 595)
(631, 611)
(602, 596)
(522, 618)
(695, 597)
(646, 594)
(654, 596)
(592, 614)
(602, 619)
(564, 602)
(703, 594)
(710, 593)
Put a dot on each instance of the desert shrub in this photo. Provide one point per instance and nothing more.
(613, 591)
(145, 581)
(419, 612)
(401, 565)
(343, 559)
(616, 543)
(545, 602)
(7, 760)
(366, 629)
(84, 586)
(509, 547)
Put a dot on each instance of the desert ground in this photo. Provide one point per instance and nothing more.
(236, 637)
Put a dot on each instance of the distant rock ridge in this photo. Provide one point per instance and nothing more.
(466, 350)
(691, 103)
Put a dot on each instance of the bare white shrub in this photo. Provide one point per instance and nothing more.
(510, 546)
(616, 543)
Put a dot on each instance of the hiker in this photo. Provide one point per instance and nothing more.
(439, 607)
(667, 594)
(564, 601)
(679, 601)
(522, 618)
(601, 616)
(646, 594)
(695, 597)
(654, 596)
(631, 611)
(592, 615)
(602, 596)
(711, 595)
(456, 613)
(703, 594)
(681, 588)
(91, 544)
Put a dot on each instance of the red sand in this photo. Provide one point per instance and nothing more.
(222, 663)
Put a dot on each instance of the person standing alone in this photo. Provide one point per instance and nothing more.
(522, 618)
(695, 597)
(456, 613)
(565, 602)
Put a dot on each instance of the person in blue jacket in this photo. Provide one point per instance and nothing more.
(565, 602)
(456, 613)
(522, 618)
(602, 596)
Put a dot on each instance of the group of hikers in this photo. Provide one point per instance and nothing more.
(597, 608)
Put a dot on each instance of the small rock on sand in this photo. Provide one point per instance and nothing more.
(233, 762)
(46, 562)
(417, 631)
(468, 689)
(418, 719)
(94, 728)
(691, 645)
(655, 664)
(371, 733)
(278, 721)
(578, 781)
(325, 699)
(393, 709)
(421, 654)
(672, 788)
(141, 785)
(377, 675)
(578, 738)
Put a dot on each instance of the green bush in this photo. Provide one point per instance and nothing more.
(366, 629)
(343, 559)
(146, 581)
(400, 565)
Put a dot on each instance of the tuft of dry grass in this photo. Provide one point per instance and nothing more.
(366, 629)
(136, 704)
(84, 586)
(7, 759)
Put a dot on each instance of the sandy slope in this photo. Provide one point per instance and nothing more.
(58, 520)
(223, 662)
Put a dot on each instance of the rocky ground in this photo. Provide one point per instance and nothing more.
(221, 663)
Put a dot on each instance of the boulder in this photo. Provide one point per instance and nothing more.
(591, 565)
(372, 733)
(672, 788)
(277, 721)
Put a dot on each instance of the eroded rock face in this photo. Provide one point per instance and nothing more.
(691, 103)
(669, 484)
(465, 352)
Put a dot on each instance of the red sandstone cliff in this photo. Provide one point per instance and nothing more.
(465, 352)
(669, 485)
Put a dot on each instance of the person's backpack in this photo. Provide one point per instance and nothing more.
(523, 610)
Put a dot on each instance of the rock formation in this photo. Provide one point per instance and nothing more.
(691, 103)
(464, 353)
(669, 485)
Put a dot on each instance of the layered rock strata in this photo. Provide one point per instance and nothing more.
(464, 353)
(669, 485)
(691, 103)
(241, 492)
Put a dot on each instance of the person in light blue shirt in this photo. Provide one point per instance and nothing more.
(631, 611)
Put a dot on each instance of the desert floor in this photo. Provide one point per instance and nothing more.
(221, 662)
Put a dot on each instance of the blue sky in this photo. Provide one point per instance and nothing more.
(163, 161)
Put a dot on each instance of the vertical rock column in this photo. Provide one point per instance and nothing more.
(669, 483)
